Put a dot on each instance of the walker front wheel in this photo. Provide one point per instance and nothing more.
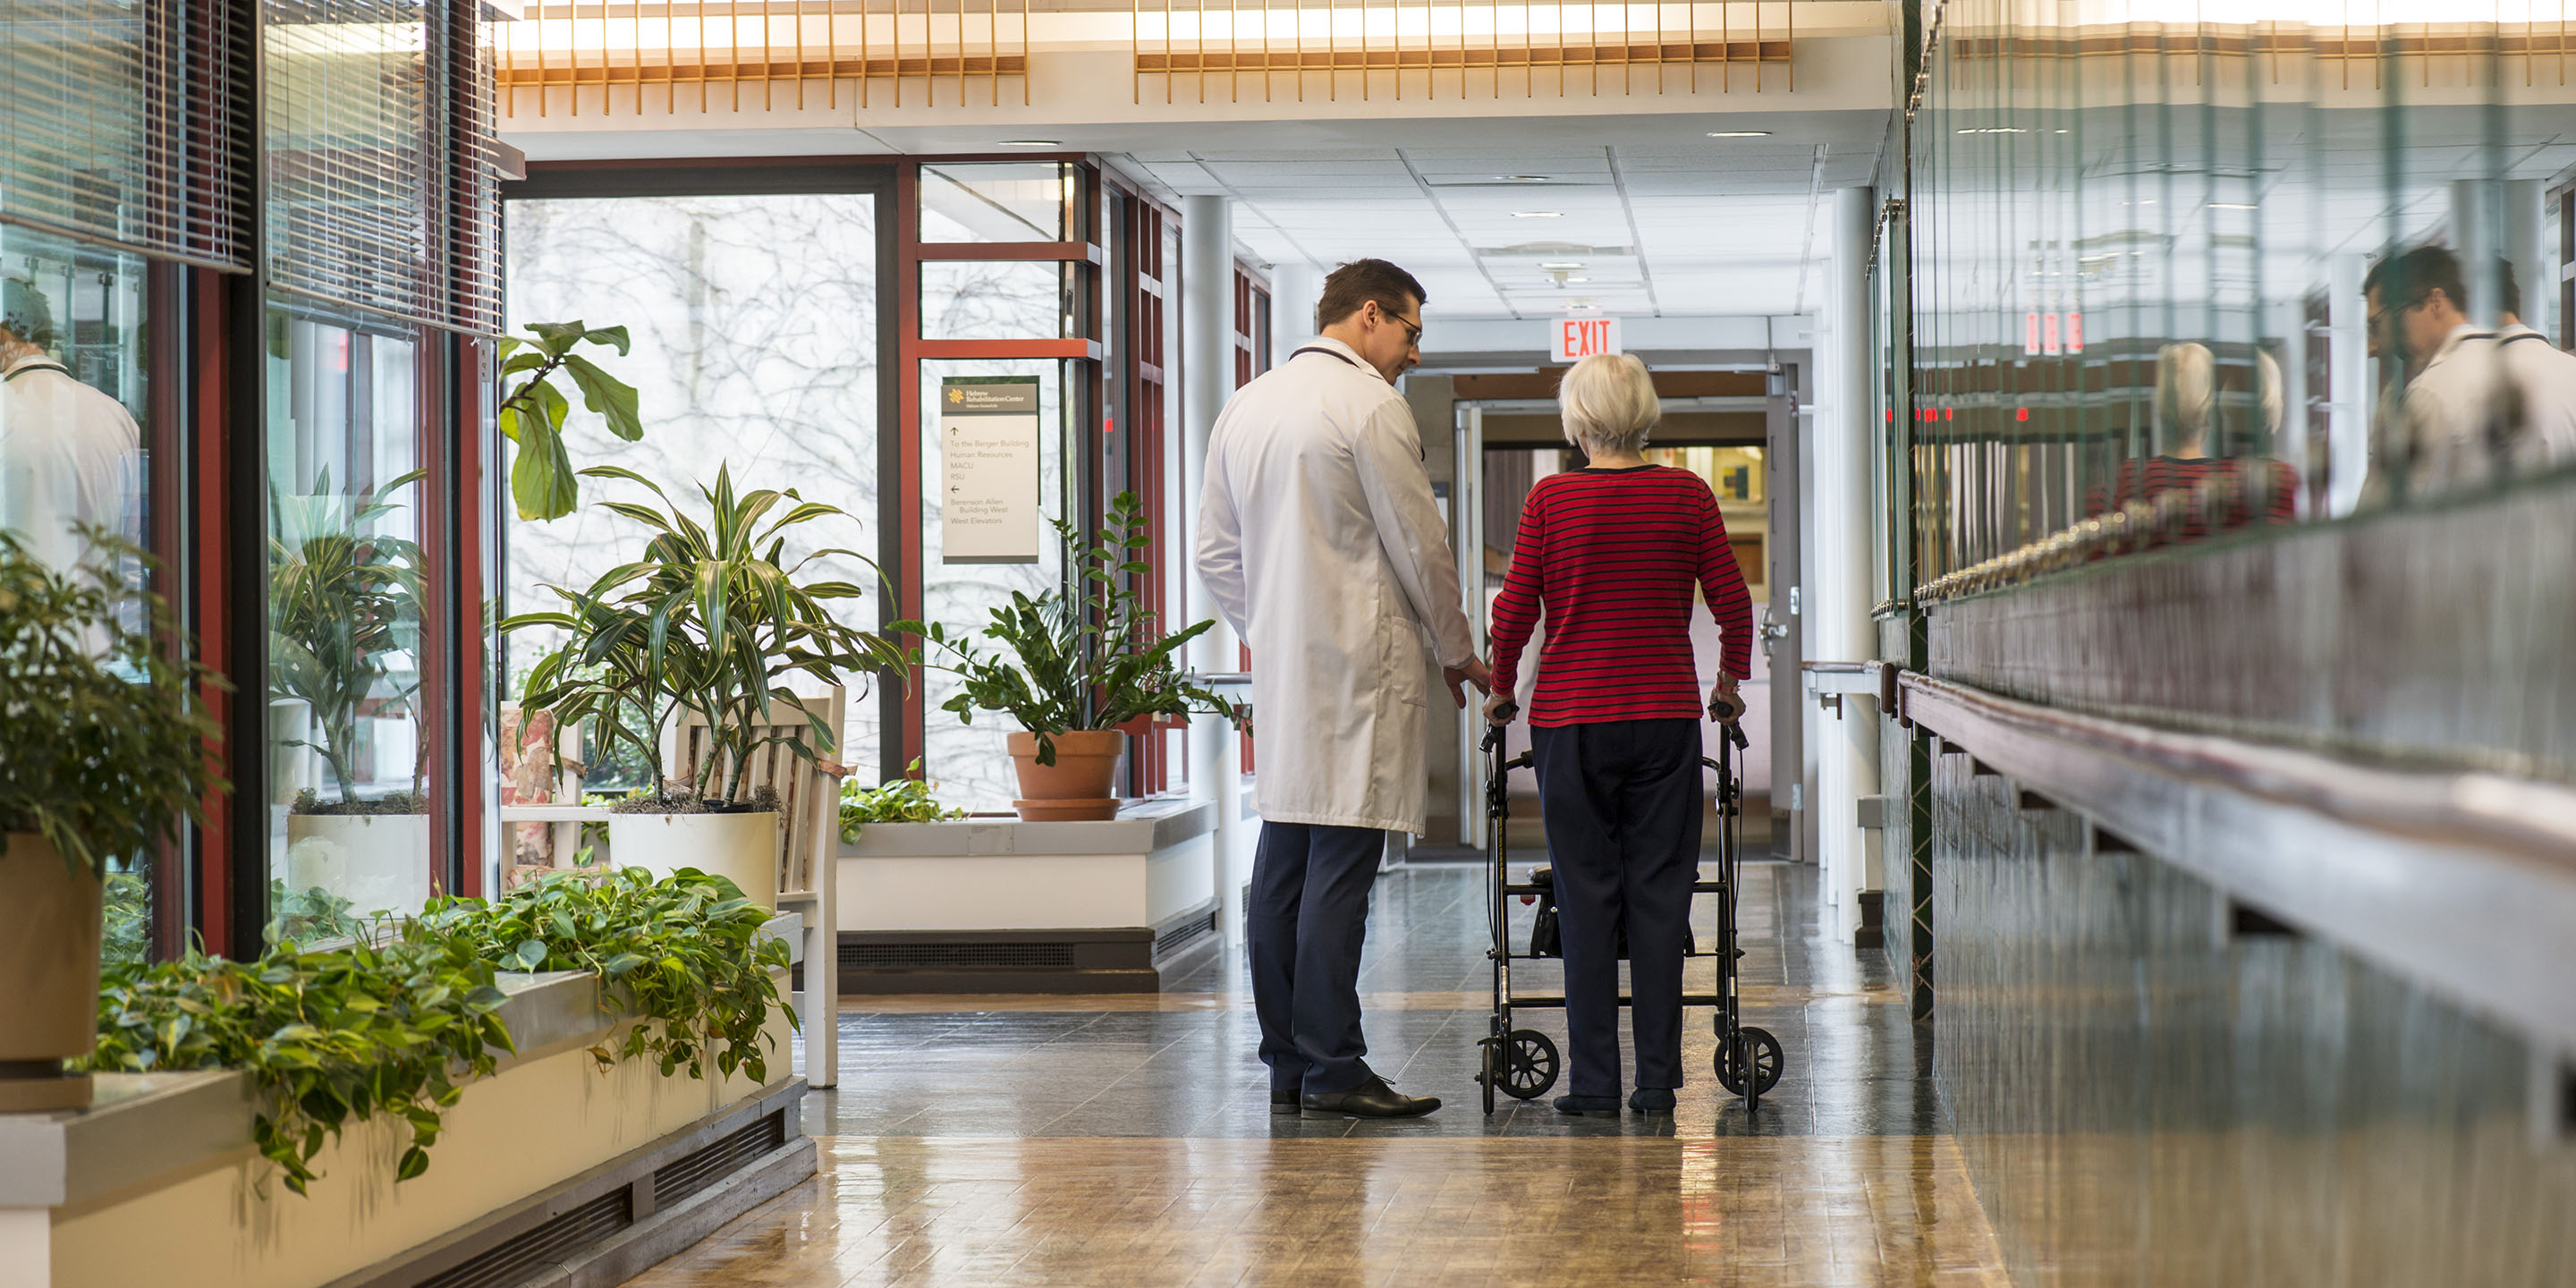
(1528, 1064)
(1762, 1050)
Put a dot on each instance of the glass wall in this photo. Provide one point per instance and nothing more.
(2290, 264)
(971, 763)
(348, 717)
(754, 326)
(72, 444)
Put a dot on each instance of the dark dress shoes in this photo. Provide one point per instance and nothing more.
(1283, 1102)
(1373, 1098)
(1590, 1106)
(1651, 1100)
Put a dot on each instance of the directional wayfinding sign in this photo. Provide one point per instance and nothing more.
(988, 485)
(1581, 337)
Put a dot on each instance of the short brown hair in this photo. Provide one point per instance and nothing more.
(1360, 281)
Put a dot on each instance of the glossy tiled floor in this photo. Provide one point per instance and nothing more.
(1128, 1140)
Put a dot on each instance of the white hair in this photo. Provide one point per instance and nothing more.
(2186, 391)
(1608, 403)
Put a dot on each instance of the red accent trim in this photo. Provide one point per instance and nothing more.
(213, 599)
(905, 422)
(1071, 252)
(931, 349)
(437, 637)
(475, 784)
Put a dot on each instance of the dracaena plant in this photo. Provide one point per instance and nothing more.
(1087, 656)
(542, 481)
(344, 608)
(711, 620)
(109, 743)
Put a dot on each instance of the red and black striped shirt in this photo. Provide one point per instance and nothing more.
(2144, 480)
(1611, 555)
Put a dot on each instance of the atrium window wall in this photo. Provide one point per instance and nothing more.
(776, 308)
(254, 237)
(2139, 242)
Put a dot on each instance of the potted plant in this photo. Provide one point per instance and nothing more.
(344, 647)
(709, 622)
(1076, 663)
(108, 736)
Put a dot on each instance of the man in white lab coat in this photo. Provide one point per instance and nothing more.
(1320, 540)
(69, 455)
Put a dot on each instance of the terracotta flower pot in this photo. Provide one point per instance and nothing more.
(1076, 788)
(50, 920)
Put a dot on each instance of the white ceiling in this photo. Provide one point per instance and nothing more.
(1669, 226)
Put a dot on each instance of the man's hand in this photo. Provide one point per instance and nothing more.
(1475, 672)
(1724, 703)
(1500, 708)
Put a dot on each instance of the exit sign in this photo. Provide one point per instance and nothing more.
(1575, 338)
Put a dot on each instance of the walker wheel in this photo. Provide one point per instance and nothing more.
(1528, 1064)
(1764, 1050)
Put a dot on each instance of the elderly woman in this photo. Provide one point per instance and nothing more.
(1609, 554)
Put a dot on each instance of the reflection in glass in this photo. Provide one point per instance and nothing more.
(2103, 195)
(754, 321)
(71, 450)
(347, 762)
(1004, 201)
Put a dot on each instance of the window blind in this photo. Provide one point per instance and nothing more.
(122, 124)
(381, 192)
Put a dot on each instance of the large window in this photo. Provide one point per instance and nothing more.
(754, 321)
(72, 446)
(348, 602)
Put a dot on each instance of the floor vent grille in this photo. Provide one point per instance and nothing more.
(1180, 936)
(513, 1259)
(684, 1176)
(957, 957)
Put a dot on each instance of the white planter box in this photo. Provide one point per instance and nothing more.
(1154, 863)
(743, 847)
(378, 862)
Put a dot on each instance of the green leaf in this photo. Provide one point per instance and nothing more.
(542, 482)
(606, 395)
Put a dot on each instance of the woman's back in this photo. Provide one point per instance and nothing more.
(1610, 557)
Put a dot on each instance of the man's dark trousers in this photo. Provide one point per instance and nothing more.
(1621, 800)
(1309, 912)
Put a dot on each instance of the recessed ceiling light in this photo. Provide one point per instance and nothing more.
(1994, 129)
(2148, 202)
(1522, 178)
(1561, 264)
(2229, 205)
(1578, 279)
(1032, 143)
(1538, 214)
(1739, 134)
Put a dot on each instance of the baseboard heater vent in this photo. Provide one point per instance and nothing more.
(966, 956)
(514, 1259)
(1182, 934)
(692, 1172)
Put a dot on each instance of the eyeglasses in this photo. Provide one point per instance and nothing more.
(1413, 330)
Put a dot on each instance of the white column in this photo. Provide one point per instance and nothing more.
(2526, 234)
(26, 1247)
(1207, 380)
(1841, 503)
(1294, 289)
(2348, 400)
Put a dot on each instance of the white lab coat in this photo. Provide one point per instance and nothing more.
(1322, 543)
(68, 455)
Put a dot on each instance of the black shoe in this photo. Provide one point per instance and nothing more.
(1589, 1106)
(1373, 1098)
(1283, 1102)
(1651, 1100)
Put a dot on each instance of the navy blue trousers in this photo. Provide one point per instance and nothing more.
(1303, 930)
(1621, 801)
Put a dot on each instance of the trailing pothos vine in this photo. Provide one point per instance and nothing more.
(399, 1023)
